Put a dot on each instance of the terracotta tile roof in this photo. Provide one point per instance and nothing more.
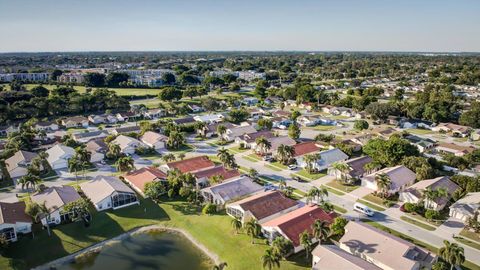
(305, 148)
(266, 204)
(219, 170)
(13, 212)
(97, 145)
(192, 164)
(251, 137)
(151, 137)
(145, 175)
(294, 223)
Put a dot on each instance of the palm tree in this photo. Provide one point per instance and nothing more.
(75, 165)
(181, 156)
(282, 246)
(221, 266)
(429, 196)
(43, 212)
(252, 229)
(310, 160)
(285, 153)
(175, 139)
(288, 191)
(29, 181)
(452, 253)
(383, 183)
(168, 157)
(253, 174)
(321, 230)
(222, 154)
(236, 224)
(114, 151)
(282, 184)
(263, 144)
(221, 130)
(316, 193)
(343, 169)
(82, 154)
(270, 259)
(125, 164)
(200, 128)
(306, 242)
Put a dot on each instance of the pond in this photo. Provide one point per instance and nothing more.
(146, 250)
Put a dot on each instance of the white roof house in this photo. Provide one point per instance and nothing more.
(324, 256)
(59, 155)
(400, 177)
(414, 193)
(327, 158)
(466, 207)
(230, 190)
(17, 164)
(209, 118)
(234, 132)
(127, 144)
(155, 140)
(107, 192)
(55, 198)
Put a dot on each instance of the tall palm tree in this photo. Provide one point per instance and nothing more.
(222, 154)
(288, 191)
(114, 151)
(310, 161)
(125, 164)
(168, 157)
(43, 212)
(83, 154)
(306, 242)
(253, 174)
(263, 144)
(383, 183)
(321, 230)
(343, 169)
(252, 228)
(270, 259)
(221, 130)
(282, 246)
(75, 165)
(236, 224)
(282, 184)
(29, 181)
(200, 128)
(452, 253)
(285, 153)
(175, 139)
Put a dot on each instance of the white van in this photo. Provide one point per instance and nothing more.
(363, 209)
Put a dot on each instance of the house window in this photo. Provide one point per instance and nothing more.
(9, 233)
(122, 199)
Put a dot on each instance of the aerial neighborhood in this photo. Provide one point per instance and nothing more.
(289, 161)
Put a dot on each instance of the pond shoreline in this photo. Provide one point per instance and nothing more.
(97, 247)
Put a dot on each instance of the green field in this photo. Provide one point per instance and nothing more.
(345, 188)
(309, 176)
(213, 231)
(417, 223)
(119, 91)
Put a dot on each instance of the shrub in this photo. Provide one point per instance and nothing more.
(432, 214)
(410, 207)
(209, 209)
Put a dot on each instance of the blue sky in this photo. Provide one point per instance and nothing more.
(322, 25)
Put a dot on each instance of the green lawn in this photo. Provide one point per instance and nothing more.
(345, 188)
(419, 131)
(334, 191)
(119, 91)
(237, 149)
(214, 232)
(309, 176)
(468, 236)
(324, 128)
(417, 223)
(255, 157)
(279, 165)
(275, 168)
(421, 218)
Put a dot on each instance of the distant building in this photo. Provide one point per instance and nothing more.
(25, 77)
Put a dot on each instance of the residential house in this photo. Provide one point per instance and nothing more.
(262, 207)
(108, 192)
(423, 144)
(276, 142)
(97, 148)
(281, 122)
(280, 113)
(455, 149)
(248, 139)
(14, 221)
(128, 145)
(59, 155)
(191, 165)
(137, 179)
(324, 256)
(308, 120)
(416, 123)
(466, 207)
(209, 118)
(326, 159)
(84, 137)
(414, 194)
(55, 198)
(236, 131)
(454, 129)
(384, 132)
(17, 164)
(126, 130)
(154, 114)
(400, 177)
(305, 148)
(356, 168)
(382, 249)
(195, 108)
(75, 122)
(154, 140)
(250, 101)
(361, 139)
(127, 116)
(203, 177)
(184, 121)
(47, 126)
(97, 119)
(231, 190)
(211, 129)
(255, 113)
(293, 223)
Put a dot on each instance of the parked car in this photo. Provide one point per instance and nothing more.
(268, 158)
(363, 209)
(292, 166)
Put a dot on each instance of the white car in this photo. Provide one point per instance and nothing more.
(292, 167)
(363, 209)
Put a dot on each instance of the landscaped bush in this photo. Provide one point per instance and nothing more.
(410, 207)
(144, 151)
(209, 209)
(432, 214)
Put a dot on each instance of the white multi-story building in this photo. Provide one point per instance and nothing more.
(27, 77)
(71, 77)
(250, 75)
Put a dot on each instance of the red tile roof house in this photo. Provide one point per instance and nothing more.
(203, 176)
(13, 220)
(262, 207)
(139, 178)
(292, 224)
(400, 176)
(191, 165)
